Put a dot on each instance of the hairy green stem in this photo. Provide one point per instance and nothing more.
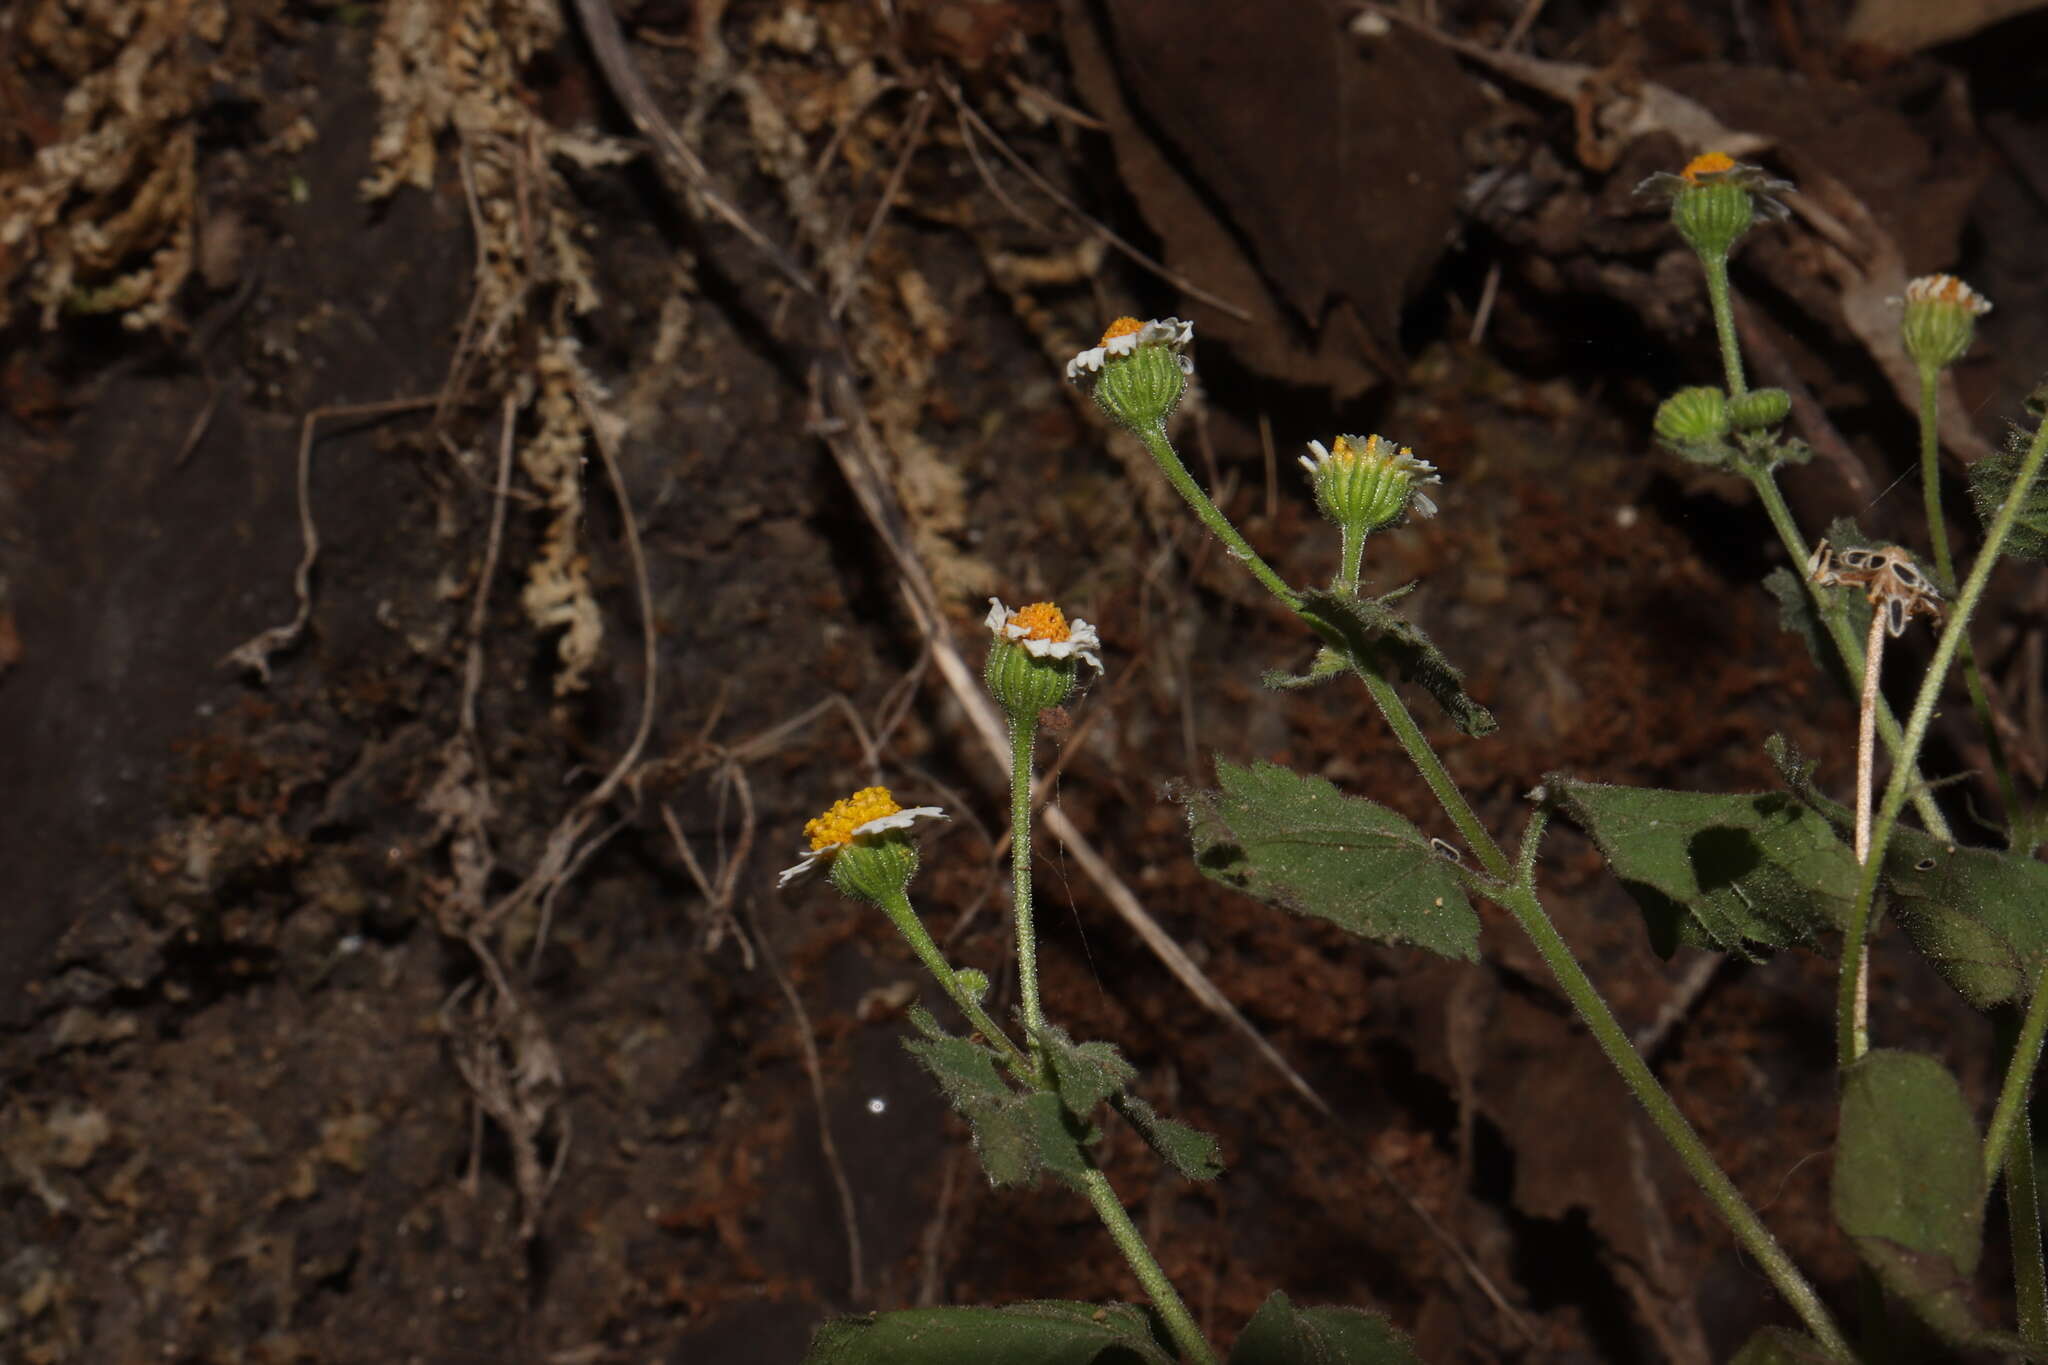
(1023, 731)
(1756, 1239)
(1846, 644)
(1169, 462)
(2023, 1214)
(1164, 1296)
(904, 917)
(1351, 558)
(2010, 1114)
(1930, 473)
(1441, 783)
(1922, 715)
(1724, 321)
(1521, 901)
(1107, 1206)
(1945, 579)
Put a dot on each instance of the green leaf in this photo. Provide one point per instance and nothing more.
(1015, 1134)
(966, 1072)
(1086, 1074)
(1281, 1334)
(1190, 1151)
(1798, 616)
(1056, 1139)
(1328, 664)
(1373, 630)
(1909, 1185)
(1975, 913)
(1991, 481)
(1718, 871)
(1047, 1333)
(1781, 1346)
(1299, 843)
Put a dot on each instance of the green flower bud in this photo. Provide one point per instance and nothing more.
(1715, 199)
(1367, 482)
(1940, 320)
(1138, 371)
(1035, 661)
(973, 981)
(1759, 408)
(875, 869)
(1693, 417)
(1712, 218)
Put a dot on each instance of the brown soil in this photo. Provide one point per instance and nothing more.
(346, 1015)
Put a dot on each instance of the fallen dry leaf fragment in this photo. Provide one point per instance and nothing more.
(1902, 26)
(1286, 166)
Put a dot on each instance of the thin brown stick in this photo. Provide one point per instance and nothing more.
(857, 1286)
(988, 178)
(1488, 292)
(672, 154)
(912, 139)
(1052, 192)
(254, 654)
(557, 866)
(473, 662)
(932, 1245)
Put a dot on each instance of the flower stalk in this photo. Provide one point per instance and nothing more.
(1523, 903)
(1906, 767)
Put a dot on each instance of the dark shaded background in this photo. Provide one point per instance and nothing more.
(355, 1015)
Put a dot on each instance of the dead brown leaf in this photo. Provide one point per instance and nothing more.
(1323, 211)
(1911, 25)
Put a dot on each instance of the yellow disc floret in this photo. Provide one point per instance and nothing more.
(836, 826)
(1122, 327)
(1710, 163)
(1348, 450)
(1041, 621)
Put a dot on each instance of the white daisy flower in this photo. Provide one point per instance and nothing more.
(1045, 632)
(1126, 335)
(869, 811)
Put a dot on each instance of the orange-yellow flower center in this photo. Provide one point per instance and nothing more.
(1709, 163)
(1375, 448)
(1122, 327)
(1041, 621)
(836, 826)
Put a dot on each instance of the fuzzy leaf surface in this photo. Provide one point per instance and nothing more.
(1373, 629)
(1991, 481)
(1015, 1134)
(1281, 1334)
(1299, 843)
(1086, 1074)
(1190, 1151)
(1718, 871)
(1975, 913)
(1044, 1333)
(1909, 1187)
